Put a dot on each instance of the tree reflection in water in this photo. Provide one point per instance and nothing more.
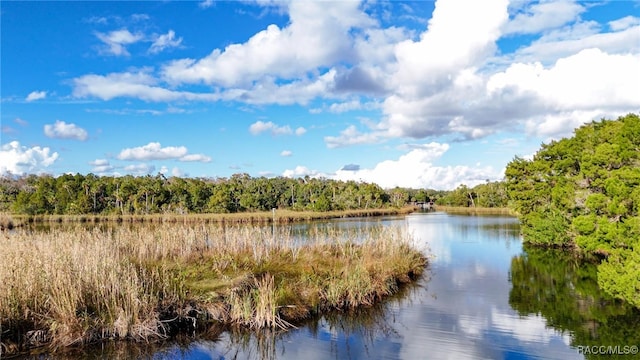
(565, 291)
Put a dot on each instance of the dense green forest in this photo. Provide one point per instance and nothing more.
(91, 194)
(583, 193)
(490, 195)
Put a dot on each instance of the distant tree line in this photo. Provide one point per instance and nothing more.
(92, 194)
(489, 195)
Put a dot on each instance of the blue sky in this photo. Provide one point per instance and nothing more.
(418, 94)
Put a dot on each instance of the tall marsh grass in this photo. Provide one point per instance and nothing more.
(281, 216)
(475, 210)
(73, 286)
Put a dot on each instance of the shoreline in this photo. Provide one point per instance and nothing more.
(280, 217)
(475, 210)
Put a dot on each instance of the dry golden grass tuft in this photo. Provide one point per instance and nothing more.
(6, 222)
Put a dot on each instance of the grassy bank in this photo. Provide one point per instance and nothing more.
(76, 286)
(475, 210)
(281, 216)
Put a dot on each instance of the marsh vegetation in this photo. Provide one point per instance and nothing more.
(73, 286)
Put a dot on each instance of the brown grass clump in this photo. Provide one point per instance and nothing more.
(6, 222)
(73, 286)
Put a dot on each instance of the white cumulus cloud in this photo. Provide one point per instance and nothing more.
(116, 41)
(155, 151)
(286, 153)
(301, 171)
(260, 126)
(415, 169)
(195, 158)
(36, 95)
(62, 130)
(17, 159)
(140, 85)
(352, 136)
(140, 169)
(318, 35)
(101, 166)
(537, 17)
(165, 41)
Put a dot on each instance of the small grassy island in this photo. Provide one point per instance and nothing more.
(75, 285)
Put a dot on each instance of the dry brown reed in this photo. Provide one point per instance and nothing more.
(281, 216)
(6, 222)
(475, 210)
(74, 286)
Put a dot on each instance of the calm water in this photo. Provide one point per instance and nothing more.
(483, 298)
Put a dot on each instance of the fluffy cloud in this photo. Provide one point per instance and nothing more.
(286, 153)
(101, 166)
(260, 126)
(566, 97)
(440, 89)
(36, 95)
(116, 41)
(139, 85)
(435, 80)
(571, 40)
(195, 158)
(155, 151)
(352, 136)
(351, 105)
(415, 169)
(62, 130)
(140, 169)
(624, 23)
(18, 159)
(174, 171)
(537, 17)
(300, 171)
(423, 86)
(165, 41)
(425, 67)
(318, 35)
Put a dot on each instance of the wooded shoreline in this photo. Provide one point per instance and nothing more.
(277, 216)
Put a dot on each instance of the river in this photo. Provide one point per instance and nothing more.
(484, 297)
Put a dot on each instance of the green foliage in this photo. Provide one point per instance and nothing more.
(566, 292)
(488, 195)
(619, 275)
(91, 194)
(584, 191)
